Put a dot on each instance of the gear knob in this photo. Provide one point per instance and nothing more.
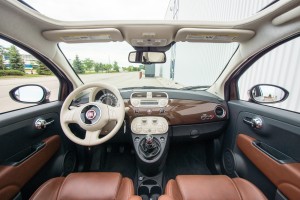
(149, 139)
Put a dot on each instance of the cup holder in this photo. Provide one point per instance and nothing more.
(155, 190)
(149, 189)
(143, 190)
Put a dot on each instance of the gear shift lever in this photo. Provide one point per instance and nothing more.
(149, 147)
(149, 141)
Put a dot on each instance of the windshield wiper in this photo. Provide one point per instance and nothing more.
(195, 87)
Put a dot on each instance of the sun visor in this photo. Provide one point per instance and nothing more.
(213, 35)
(84, 35)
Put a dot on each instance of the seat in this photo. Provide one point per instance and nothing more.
(87, 186)
(210, 187)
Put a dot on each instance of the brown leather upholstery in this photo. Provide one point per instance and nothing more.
(13, 178)
(198, 187)
(285, 176)
(89, 185)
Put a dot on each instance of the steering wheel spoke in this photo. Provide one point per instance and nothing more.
(71, 116)
(91, 136)
(113, 113)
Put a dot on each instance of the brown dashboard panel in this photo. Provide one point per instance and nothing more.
(179, 112)
(13, 178)
(285, 176)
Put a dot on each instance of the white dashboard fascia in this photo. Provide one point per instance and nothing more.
(161, 102)
(149, 125)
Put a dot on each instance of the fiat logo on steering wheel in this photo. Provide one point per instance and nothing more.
(90, 114)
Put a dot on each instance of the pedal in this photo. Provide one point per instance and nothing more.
(108, 149)
(121, 149)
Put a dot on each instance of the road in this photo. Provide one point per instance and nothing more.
(119, 80)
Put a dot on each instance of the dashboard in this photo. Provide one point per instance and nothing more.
(182, 113)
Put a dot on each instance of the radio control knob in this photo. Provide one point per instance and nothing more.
(163, 102)
(135, 103)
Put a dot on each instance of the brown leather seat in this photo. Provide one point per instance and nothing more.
(87, 186)
(208, 187)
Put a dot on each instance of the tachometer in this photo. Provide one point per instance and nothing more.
(109, 99)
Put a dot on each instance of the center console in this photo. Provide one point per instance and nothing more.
(150, 136)
(150, 140)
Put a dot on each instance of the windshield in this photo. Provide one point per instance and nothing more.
(203, 10)
(188, 64)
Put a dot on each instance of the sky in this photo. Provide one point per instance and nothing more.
(99, 52)
(81, 10)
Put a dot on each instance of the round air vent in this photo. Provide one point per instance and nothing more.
(220, 112)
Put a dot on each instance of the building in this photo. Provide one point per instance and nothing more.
(215, 56)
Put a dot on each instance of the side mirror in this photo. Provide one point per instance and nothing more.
(30, 94)
(267, 94)
(147, 57)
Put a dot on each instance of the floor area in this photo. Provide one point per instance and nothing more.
(120, 159)
(182, 159)
(186, 159)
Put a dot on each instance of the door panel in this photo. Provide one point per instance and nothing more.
(17, 130)
(14, 176)
(286, 176)
(24, 150)
(273, 161)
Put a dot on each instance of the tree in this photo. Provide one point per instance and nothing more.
(107, 67)
(15, 59)
(101, 67)
(42, 69)
(88, 64)
(135, 69)
(97, 67)
(2, 66)
(116, 67)
(77, 65)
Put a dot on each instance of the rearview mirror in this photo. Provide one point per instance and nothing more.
(267, 94)
(30, 94)
(147, 57)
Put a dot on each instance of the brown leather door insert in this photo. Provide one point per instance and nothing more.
(285, 176)
(13, 178)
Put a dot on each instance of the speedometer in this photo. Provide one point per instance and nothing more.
(109, 99)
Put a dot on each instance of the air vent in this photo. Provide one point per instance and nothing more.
(220, 112)
(139, 95)
(159, 95)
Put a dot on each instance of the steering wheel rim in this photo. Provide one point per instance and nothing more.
(92, 116)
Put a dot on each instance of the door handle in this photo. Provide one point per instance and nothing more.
(41, 123)
(255, 122)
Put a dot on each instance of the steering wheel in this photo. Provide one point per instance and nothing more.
(92, 116)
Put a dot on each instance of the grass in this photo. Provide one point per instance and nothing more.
(25, 76)
(100, 72)
(37, 75)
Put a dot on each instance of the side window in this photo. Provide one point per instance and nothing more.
(17, 68)
(280, 67)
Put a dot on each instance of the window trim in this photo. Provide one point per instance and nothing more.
(65, 86)
(231, 86)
